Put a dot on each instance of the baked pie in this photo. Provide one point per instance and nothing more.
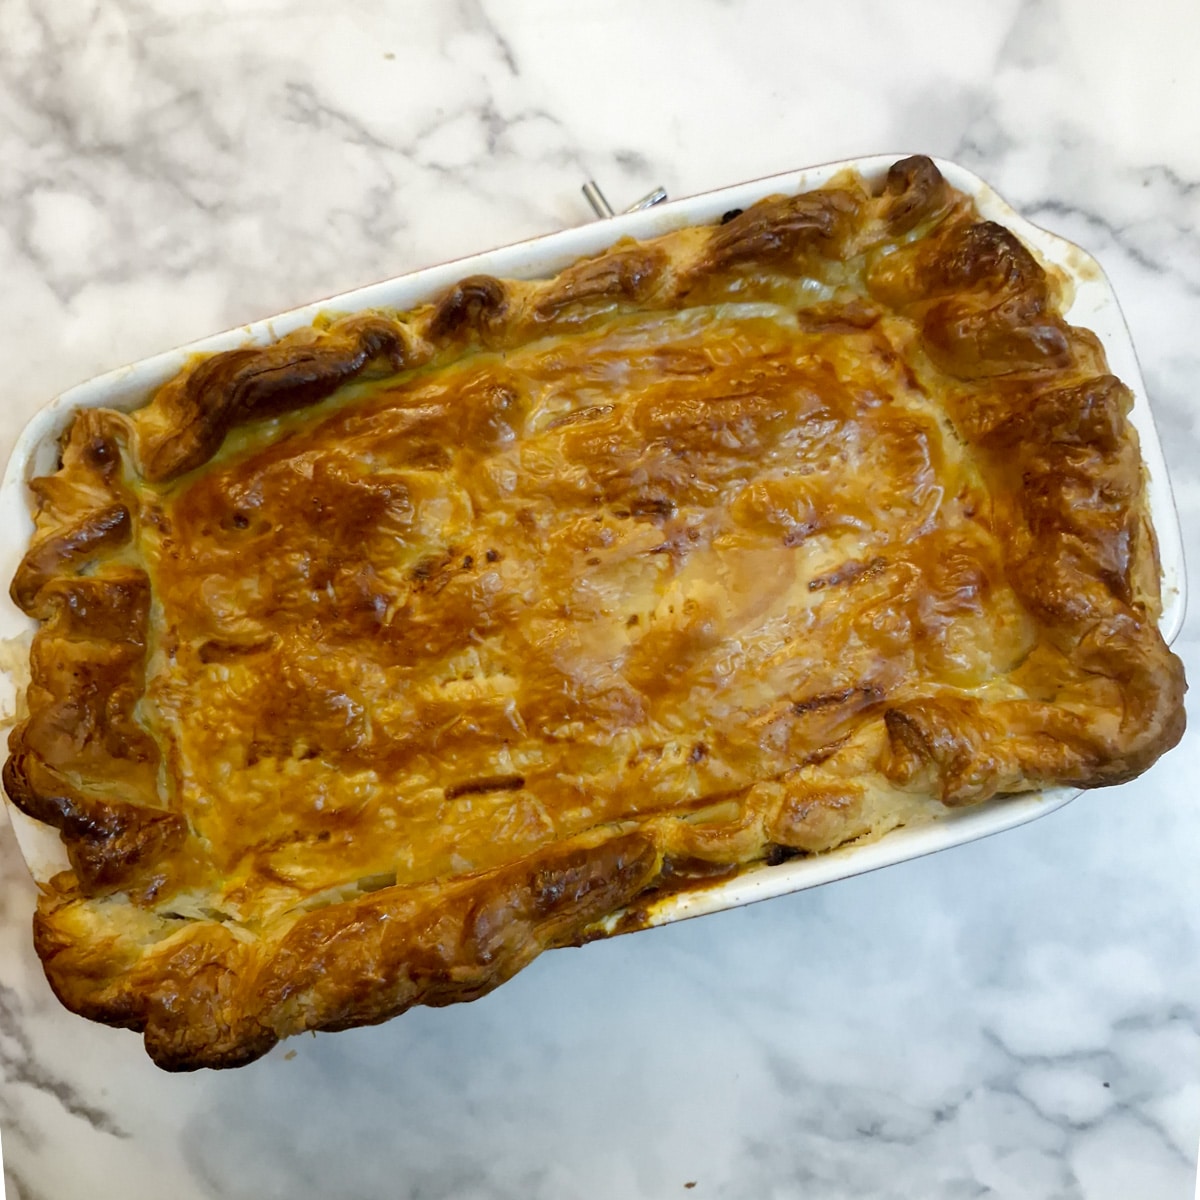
(375, 661)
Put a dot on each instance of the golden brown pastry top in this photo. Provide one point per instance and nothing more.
(375, 661)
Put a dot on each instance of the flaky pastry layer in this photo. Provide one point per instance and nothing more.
(375, 661)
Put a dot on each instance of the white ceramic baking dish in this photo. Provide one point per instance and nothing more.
(1094, 306)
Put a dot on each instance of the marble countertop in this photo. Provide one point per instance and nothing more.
(1016, 1018)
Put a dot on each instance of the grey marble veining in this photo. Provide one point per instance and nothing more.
(1016, 1018)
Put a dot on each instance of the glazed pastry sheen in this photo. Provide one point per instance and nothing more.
(375, 661)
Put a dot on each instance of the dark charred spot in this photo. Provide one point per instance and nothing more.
(777, 854)
(684, 869)
(983, 256)
(780, 228)
(800, 532)
(813, 703)
(848, 573)
(473, 304)
(71, 550)
(428, 568)
(254, 382)
(915, 190)
(627, 274)
(726, 217)
(223, 649)
(489, 783)
(592, 412)
(868, 692)
(102, 452)
(653, 506)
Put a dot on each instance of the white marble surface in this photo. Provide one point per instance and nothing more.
(1018, 1018)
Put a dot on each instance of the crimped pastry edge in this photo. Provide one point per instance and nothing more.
(193, 1063)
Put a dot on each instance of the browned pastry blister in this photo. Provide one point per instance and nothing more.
(375, 661)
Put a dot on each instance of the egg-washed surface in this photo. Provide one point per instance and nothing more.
(376, 661)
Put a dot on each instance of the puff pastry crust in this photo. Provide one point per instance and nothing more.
(375, 661)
